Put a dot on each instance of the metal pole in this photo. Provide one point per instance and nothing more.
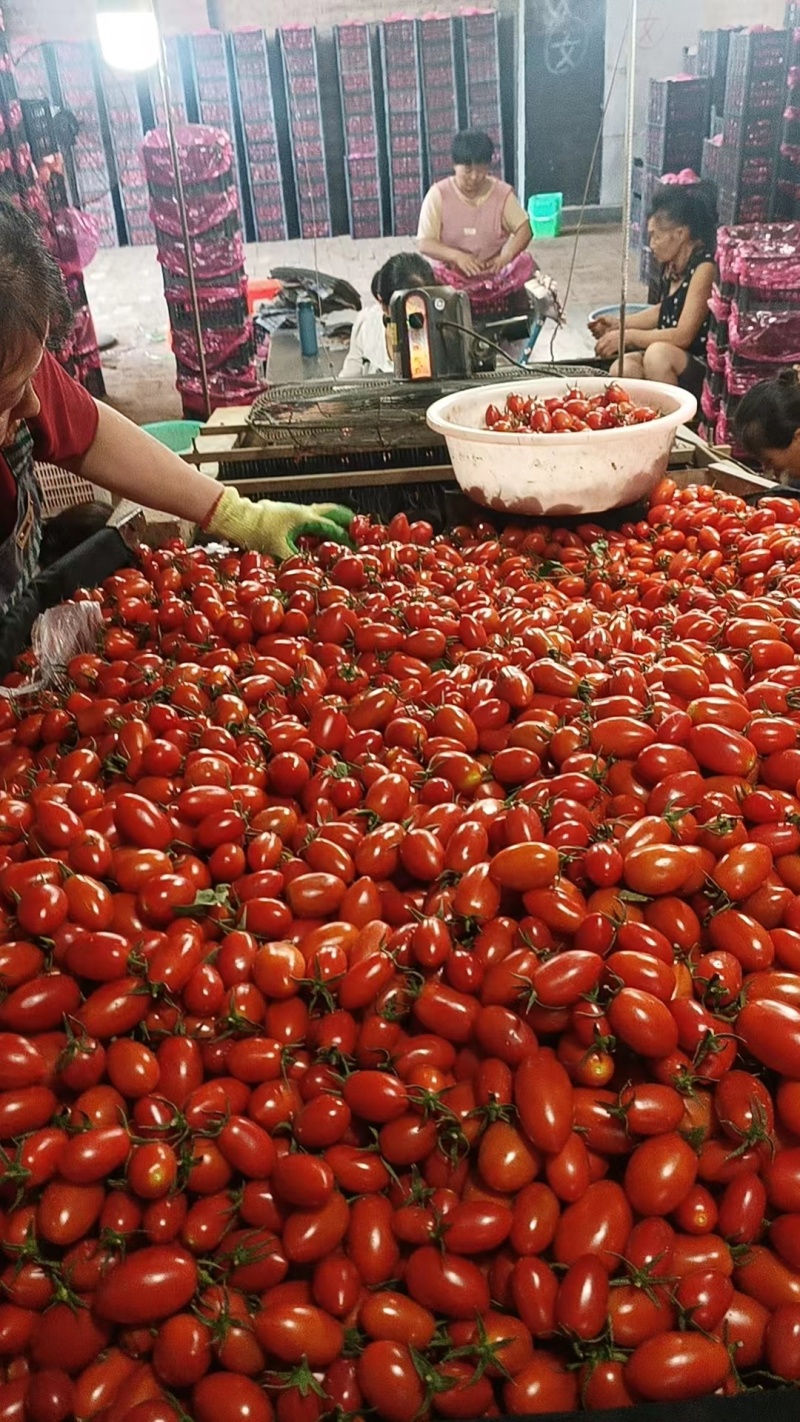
(627, 166)
(166, 93)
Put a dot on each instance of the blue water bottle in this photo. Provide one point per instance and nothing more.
(307, 326)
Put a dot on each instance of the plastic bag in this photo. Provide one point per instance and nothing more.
(58, 635)
(203, 153)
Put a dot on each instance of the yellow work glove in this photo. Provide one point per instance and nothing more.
(271, 527)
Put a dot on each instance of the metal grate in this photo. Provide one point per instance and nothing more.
(374, 415)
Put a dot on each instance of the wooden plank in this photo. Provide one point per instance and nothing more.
(361, 479)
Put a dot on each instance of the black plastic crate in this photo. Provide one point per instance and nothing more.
(253, 91)
(752, 133)
(438, 58)
(362, 156)
(712, 60)
(482, 76)
(299, 54)
(404, 122)
(757, 66)
(678, 101)
(709, 167)
(671, 148)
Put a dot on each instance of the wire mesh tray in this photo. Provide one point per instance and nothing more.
(366, 414)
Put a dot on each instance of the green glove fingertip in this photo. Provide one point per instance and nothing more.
(321, 528)
(337, 513)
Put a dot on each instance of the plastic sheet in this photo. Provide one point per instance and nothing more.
(201, 213)
(218, 346)
(204, 154)
(768, 336)
(488, 293)
(58, 634)
(92, 562)
(214, 256)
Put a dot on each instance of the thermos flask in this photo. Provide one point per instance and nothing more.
(307, 326)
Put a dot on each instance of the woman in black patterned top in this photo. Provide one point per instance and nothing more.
(667, 342)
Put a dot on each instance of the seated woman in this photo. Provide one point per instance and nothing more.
(767, 423)
(474, 230)
(370, 352)
(667, 342)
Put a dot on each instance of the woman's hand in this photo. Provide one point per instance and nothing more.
(608, 345)
(497, 264)
(603, 324)
(468, 265)
(274, 527)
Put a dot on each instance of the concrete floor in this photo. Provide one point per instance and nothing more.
(126, 298)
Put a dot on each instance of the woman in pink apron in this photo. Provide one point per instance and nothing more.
(46, 416)
(474, 230)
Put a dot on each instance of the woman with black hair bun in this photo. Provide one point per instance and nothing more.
(667, 342)
(767, 423)
(369, 352)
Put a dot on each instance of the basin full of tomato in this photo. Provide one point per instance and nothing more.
(571, 413)
(401, 965)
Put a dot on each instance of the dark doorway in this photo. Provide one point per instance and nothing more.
(564, 88)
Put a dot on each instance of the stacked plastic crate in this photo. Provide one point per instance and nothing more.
(299, 50)
(16, 168)
(360, 123)
(404, 135)
(713, 49)
(172, 49)
(42, 191)
(209, 66)
(254, 93)
(126, 134)
(755, 100)
(677, 121)
(787, 198)
(482, 76)
(755, 327)
(438, 55)
(75, 70)
(212, 208)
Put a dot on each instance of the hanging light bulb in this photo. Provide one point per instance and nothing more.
(128, 32)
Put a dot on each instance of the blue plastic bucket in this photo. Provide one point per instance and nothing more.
(632, 309)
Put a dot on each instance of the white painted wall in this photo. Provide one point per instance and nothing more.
(663, 29)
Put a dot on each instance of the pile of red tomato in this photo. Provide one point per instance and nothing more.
(400, 954)
(570, 413)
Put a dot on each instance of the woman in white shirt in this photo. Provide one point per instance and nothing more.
(369, 352)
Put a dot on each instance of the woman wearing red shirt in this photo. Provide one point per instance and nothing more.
(45, 415)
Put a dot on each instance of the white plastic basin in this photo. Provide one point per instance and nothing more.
(558, 475)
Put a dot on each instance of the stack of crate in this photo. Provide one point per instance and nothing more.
(713, 49)
(43, 192)
(787, 198)
(75, 71)
(299, 50)
(404, 122)
(126, 136)
(206, 163)
(482, 75)
(712, 152)
(172, 49)
(254, 92)
(209, 65)
(360, 124)
(677, 120)
(755, 325)
(755, 100)
(438, 56)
